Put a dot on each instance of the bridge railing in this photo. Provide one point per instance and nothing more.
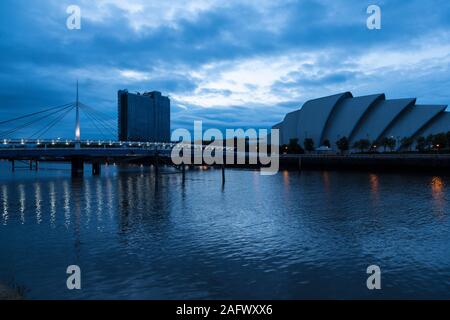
(91, 143)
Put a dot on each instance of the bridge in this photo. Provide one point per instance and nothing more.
(36, 147)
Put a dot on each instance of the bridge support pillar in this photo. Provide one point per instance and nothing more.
(77, 167)
(96, 168)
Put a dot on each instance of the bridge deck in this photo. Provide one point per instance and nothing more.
(25, 153)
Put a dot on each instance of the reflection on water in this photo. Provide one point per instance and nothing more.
(5, 204)
(374, 185)
(438, 192)
(286, 179)
(308, 235)
(326, 181)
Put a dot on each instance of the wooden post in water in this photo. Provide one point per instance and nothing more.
(223, 173)
(96, 168)
(224, 159)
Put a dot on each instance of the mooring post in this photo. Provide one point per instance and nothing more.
(96, 168)
(223, 173)
(224, 159)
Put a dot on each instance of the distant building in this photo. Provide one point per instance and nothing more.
(143, 117)
(370, 117)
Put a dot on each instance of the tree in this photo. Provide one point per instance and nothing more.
(284, 149)
(343, 144)
(406, 142)
(308, 144)
(388, 142)
(326, 143)
(420, 144)
(429, 141)
(294, 147)
(362, 144)
(391, 143)
(439, 141)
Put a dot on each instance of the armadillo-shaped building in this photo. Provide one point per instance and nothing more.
(367, 117)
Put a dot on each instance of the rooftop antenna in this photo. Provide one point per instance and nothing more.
(77, 122)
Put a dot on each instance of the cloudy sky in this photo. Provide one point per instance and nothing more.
(228, 63)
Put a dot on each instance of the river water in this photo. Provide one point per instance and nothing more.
(288, 236)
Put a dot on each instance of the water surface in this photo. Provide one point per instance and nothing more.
(288, 236)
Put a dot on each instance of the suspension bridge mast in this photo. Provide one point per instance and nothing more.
(77, 122)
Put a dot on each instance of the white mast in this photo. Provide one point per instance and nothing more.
(77, 122)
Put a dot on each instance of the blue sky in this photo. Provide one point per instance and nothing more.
(228, 63)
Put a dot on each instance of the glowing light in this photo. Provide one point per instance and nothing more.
(374, 185)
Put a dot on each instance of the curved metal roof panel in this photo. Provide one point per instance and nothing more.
(289, 128)
(379, 118)
(314, 116)
(413, 120)
(439, 124)
(279, 126)
(346, 115)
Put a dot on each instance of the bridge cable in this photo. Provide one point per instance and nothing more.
(7, 133)
(94, 123)
(44, 130)
(100, 117)
(34, 113)
(99, 113)
(98, 122)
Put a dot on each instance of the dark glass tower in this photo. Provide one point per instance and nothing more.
(143, 117)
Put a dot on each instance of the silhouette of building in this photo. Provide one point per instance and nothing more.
(371, 117)
(143, 117)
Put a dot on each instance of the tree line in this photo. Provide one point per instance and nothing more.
(433, 142)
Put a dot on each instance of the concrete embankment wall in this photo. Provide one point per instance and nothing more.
(401, 162)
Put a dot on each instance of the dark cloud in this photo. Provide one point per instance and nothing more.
(40, 59)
